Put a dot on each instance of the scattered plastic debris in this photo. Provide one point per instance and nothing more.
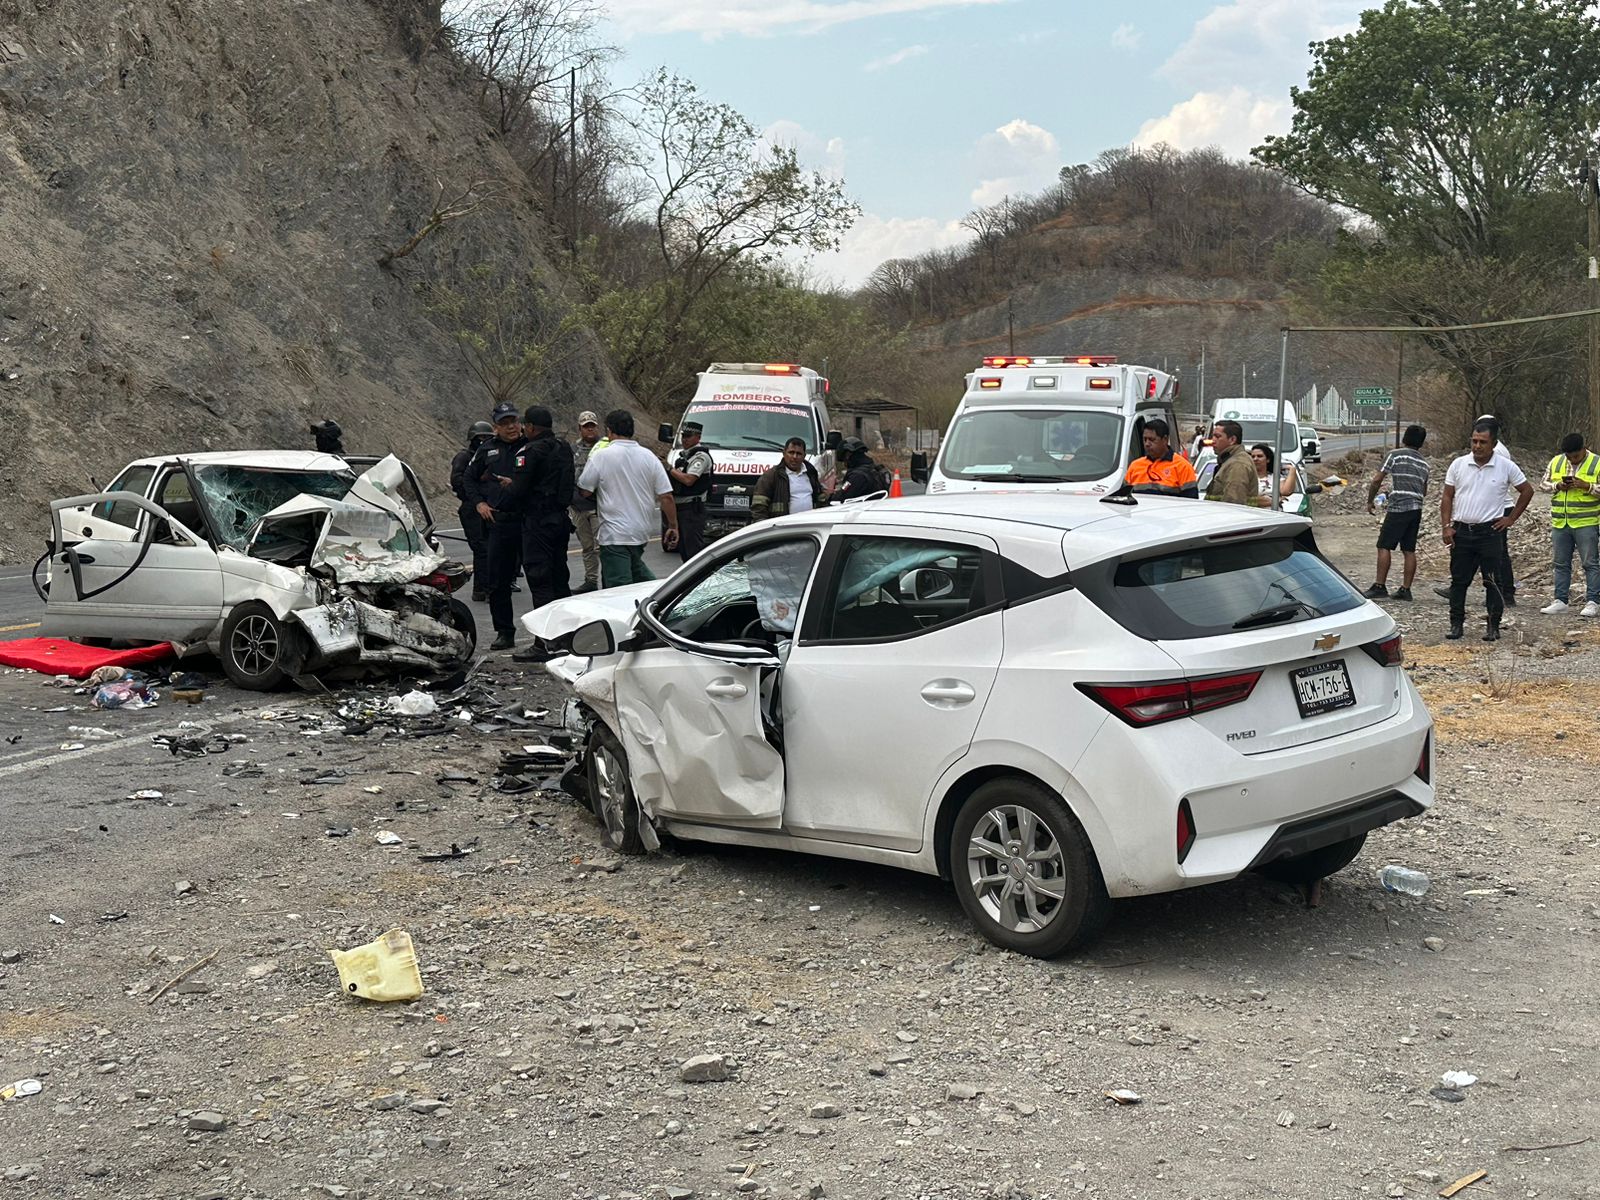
(132, 694)
(385, 969)
(1124, 1096)
(55, 920)
(1404, 880)
(455, 851)
(414, 704)
(20, 1090)
(146, 794)
(385, 837)
(1458, 1079)
(338, 831)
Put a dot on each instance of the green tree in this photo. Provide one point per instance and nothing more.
(1447, 121)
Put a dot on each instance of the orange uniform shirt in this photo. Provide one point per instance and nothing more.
(1174, 472)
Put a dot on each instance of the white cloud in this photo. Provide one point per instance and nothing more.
(1235, 120)
(759, 18)
(873, 239)
(815, 151)
(895, 59)
(1126, 37)
(1017, 157)
(1259, 44)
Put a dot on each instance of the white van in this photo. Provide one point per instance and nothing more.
(1058, 423)
(747, 412)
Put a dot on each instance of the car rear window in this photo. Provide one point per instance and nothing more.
(1203, 591)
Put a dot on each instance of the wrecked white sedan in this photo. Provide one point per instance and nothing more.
(1048, 700)
(283, 564)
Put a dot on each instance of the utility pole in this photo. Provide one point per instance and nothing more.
(1591, 201)
(1202, 380)
(1011, 329)
(1399, 374)
(1244, 388)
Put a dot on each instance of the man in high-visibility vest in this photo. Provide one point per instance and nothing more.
(1574, 477)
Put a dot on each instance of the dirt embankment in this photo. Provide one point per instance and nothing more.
(195, 196)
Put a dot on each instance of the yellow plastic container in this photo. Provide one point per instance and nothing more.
(385, 969)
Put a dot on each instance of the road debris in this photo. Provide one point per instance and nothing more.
(455, 851)
(1546, 1146)
(384, 969)
(1124, 1096)
(387, 837)
(1458, 1079)
(131, 694)
(182, 975)
(20, 1090)
(1465, 1181)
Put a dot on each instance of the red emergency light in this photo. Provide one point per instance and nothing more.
(783, 368)
(1008, 360)
(1150, 388)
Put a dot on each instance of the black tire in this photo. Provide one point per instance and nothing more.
(1315, 864)
(1059, 923)
(253, 642)
(611, 791)
(459, 617)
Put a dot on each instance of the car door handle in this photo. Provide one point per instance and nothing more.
(83, 558)
(948, 693)
(726, 689)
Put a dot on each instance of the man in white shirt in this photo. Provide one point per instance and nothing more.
(1473, 517)
(629, 484)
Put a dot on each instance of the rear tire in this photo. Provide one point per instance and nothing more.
(253, 646)
(611, 791)
(1315, 864)
(1024, 870)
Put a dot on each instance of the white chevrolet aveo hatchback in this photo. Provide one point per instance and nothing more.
(1049, 700)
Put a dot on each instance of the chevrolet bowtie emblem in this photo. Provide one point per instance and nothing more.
(1327, 641)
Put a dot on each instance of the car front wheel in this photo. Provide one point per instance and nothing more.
(611, 791)
(1024, 870)
(253, 643)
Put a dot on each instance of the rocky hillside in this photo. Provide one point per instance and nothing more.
(195, 196)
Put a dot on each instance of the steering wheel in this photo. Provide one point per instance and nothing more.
(755, 631)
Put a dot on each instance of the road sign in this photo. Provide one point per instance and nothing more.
(1374, 397)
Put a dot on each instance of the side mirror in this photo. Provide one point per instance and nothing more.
(664, 433)
(835, 440)
(594, 640)
(927, 583)
(919, 468)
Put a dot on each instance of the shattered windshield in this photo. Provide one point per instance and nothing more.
(237, 497)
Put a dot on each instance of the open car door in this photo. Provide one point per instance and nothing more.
(696, 701)
(161, 583)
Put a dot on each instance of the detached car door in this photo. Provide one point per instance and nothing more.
(162, 583)
(696, 703)
(899, 649)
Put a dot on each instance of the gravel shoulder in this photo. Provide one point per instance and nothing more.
(873, 1045)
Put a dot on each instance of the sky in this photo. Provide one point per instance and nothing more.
(930, 108)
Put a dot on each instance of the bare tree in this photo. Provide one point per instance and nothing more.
(445, 210)
(525, 49)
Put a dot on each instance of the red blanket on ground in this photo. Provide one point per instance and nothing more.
(57, 656)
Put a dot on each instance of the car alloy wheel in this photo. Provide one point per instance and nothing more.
(1024, 869)
(1015, 865)
(611, 791)
(254, 644)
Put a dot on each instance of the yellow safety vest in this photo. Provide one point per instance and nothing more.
(1574, 509)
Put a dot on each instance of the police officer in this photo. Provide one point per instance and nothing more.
(330, 438)
(494, 463)
(691, 484)
(472, 525)
(539, 490)
(863, 477)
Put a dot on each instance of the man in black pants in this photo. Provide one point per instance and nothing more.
(691, 484)
(1472, 517)
(494, 462)
(539, 491)
(472, 525)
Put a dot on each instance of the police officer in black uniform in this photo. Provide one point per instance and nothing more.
(473, 527)
(863, 477)
(691, 484)
(485, 481)
(540, 490)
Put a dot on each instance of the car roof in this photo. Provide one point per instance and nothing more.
(1086, 528)
(266, 460)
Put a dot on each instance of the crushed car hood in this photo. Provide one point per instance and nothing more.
(370, 536)
(615, 606)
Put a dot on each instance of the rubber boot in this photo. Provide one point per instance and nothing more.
(1456, 631)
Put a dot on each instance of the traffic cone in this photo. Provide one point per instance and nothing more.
(894, 487)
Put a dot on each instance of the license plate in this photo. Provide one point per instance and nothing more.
(736, 502)
(1323, 688)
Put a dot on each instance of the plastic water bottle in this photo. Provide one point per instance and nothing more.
(1404, 880)
(1381, 503)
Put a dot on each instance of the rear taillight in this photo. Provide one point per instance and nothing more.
(1425, 762)
(1185, 829)
(1387, 653)
(1142, 704)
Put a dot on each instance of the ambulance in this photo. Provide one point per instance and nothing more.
(748, 411)
(1068, 423)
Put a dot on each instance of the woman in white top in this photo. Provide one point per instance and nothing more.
(1261, 454)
